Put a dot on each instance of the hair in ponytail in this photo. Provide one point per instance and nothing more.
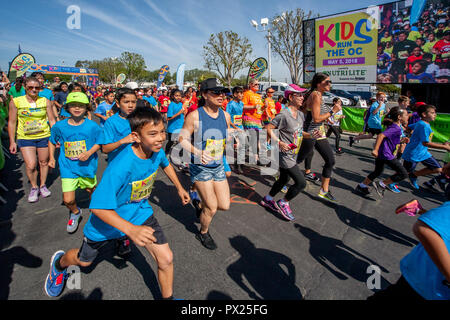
(393, 116)
(318, 78)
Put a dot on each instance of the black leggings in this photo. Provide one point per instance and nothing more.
(170, 143)
(323, 147)
(299, 182)
(337, 133)
(394, 164)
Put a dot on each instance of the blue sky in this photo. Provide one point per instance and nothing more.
(163, 32)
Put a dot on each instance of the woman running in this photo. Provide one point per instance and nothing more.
(316, 117)
(31, 116)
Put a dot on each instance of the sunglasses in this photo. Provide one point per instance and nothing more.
(217, 91)
(33, 88)
(270, 91)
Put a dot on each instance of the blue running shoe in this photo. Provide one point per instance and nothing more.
(413, 181)
(54, 284)
(393, 187)
(285, 189)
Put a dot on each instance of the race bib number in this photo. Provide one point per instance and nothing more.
(237, 120)
(403, 54)
(214, 148)
(142, 189)
(430, 137)
(323, 134)
(33, 127)
(109, 113)
(298, 142)
(73, 149)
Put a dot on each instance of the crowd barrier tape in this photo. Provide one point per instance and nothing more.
(354, 122)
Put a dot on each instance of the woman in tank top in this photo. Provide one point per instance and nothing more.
(204, 136)
(316, 117)
(30, 119)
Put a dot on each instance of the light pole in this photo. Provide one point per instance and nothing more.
(265, 22)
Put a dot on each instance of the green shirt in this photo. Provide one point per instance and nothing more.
(414, 35)
(16, 94)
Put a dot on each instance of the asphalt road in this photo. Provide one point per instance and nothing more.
(323, 254)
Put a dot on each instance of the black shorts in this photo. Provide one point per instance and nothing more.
(374, 132)
(89, 249)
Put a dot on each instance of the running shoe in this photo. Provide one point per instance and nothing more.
(413, 180)
(411, 208)
(284, 189)
(327, 196)
(123, 248)
(441, 182)
(44, 191)
(378, 188)
(431, 187)
(362, 190)
(285, 210)
(206, 240)
(270, 204)
(339, 151)
(34, 195)
(393, 187)
(74, 221)
(54, 284)
(351, 141)
(312, 177)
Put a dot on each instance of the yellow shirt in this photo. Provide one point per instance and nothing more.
(32, 122)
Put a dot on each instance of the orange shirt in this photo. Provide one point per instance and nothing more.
(253, 99)
(271, 110)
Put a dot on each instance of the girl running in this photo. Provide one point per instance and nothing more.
(385, 151)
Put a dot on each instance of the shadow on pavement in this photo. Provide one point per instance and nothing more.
(8, 259)
(217, 295)
(262, 270)
(339, 259)
(96, 294)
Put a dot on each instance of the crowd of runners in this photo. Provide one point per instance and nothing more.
(66, 126)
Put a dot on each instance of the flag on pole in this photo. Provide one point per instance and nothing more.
(162, 74)
(257, 69)
(180, 76)
(20, 50)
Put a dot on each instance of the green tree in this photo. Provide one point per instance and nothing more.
(227, 53)
(134, 65)
(286, 39)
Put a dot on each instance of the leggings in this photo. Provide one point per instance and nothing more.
(170, 143)
(299, 182)
(323, 147)
(394, 164)
(337, 133)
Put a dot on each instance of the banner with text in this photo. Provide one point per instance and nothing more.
(346, 47)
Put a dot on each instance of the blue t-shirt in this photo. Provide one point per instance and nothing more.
(125, 187)
(417, 267)
(61, 98)
(47, 93)
(114, 129)
(150, 100)
(175, 125)
(235, 109)
(104, 109)
(420, 78)
(415, 151)
(75, 140)
(374, 121)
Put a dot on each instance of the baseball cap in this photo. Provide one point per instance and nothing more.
(213, 84)
(293, 88)
(443, 73)
(77, 97)
(418, 104)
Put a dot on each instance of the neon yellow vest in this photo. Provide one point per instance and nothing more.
(32, 122)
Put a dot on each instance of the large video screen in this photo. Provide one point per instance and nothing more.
(400, 42)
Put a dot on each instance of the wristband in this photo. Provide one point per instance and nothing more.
(331, 113)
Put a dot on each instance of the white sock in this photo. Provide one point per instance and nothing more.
(382, 185)
(268, 197)
(322, 191)
(362, 185)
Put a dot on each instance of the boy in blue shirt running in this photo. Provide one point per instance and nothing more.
(417, 149)
(78, 154)
(120, 205)
(116, 131)
(105, 109)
